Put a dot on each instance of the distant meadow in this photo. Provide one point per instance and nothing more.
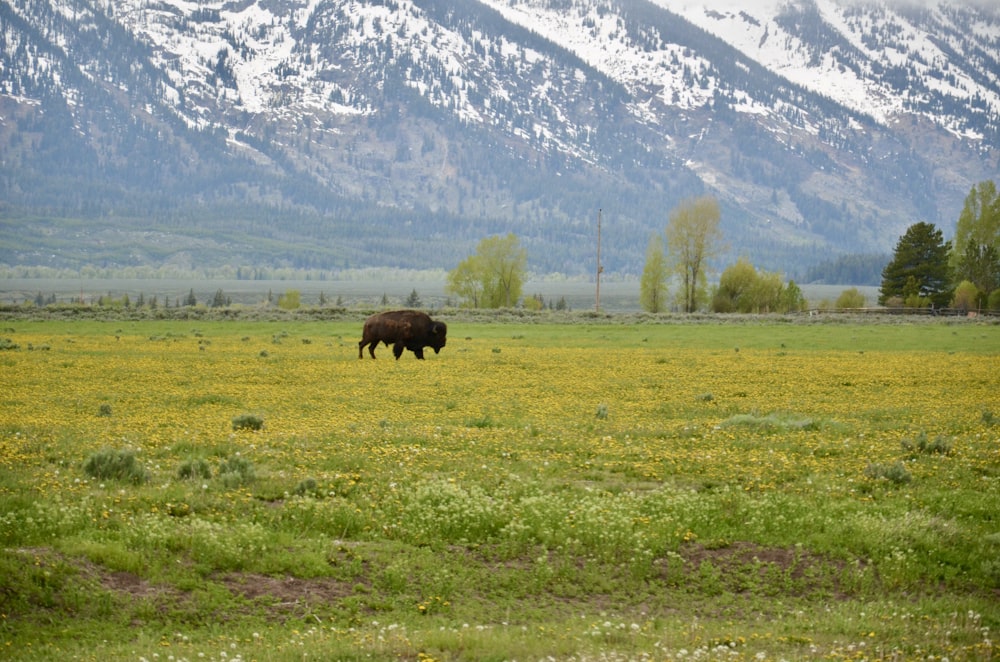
(362, 292)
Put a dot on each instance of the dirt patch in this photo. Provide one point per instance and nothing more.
(115, 581)
(126, 582)
(741, 567)
(287, 591)
(739, 553)
(277, 596)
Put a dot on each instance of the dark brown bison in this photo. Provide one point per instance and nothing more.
(403, 329)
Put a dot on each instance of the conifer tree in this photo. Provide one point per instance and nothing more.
(918, 273)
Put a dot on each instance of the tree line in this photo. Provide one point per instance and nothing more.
(925, 270)
(964, 273)
(682, 254)
(493, 277)
(290, 299)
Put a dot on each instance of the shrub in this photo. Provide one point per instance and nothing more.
(993, 300)
(236, 471)
(940, 445)
(967, 296)
(770, 423)
(895, 473)
(602, 411)
(104, 410)
(916, 301)
(306, 487)
(195, 468)
(112, 464)
(850, 298)
(290, 300)
(248, 422)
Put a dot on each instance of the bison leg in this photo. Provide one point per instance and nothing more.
(371, 348)
(418, 351)
(397, 349)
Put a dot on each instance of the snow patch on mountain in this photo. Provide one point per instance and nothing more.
(755, 30)
(599, 39)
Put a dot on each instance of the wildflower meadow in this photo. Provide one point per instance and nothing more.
(589, 488)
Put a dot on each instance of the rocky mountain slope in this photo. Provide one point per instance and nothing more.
(329, 134)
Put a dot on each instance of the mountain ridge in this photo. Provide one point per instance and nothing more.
(321, 134)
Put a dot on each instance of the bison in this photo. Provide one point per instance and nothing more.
(403, 329)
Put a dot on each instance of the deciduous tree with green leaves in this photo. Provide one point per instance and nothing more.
(743, 289)
(693, 238)
(290, 300)
(975, 254)
(978, 224)
(466, 281)
(979, 265)
(494, 276)
(653, 284)
(918, 273)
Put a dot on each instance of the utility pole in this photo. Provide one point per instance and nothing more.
(600, 267)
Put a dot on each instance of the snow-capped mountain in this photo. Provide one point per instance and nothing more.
(337, 133)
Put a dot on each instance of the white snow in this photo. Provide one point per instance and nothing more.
(273, 74)
(752, 28)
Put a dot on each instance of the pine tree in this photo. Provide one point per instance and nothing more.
(918, 273)
(219, 300)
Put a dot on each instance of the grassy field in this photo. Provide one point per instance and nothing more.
(591, 491)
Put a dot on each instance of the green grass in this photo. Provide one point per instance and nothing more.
(604, 489)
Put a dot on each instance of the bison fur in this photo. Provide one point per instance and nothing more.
(403, 329)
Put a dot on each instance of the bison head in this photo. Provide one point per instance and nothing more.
(439, 333)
